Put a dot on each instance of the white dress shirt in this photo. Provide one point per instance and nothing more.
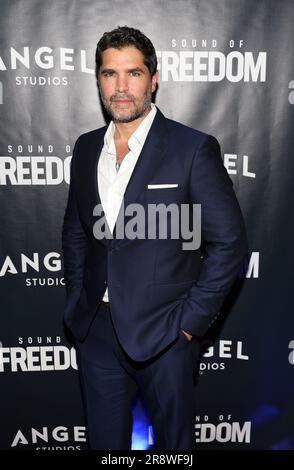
(112, 183)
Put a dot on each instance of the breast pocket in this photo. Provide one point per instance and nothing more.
(167, 195)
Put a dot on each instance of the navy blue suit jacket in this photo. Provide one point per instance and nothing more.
(155, 287)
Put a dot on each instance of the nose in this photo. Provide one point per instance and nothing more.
(121, 83)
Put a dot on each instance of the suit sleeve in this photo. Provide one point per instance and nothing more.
(223, 237)
(73, 237)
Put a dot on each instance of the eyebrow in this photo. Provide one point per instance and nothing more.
(134, 69)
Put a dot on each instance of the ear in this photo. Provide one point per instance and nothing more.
(154, 81)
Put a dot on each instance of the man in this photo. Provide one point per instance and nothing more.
(138, 306)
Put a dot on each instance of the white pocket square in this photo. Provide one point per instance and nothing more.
(162, 186)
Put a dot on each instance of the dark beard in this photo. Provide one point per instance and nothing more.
(137, 113)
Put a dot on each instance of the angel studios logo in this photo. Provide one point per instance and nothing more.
(215, 356)
(49, 438)
(50, 63)
(36, 269)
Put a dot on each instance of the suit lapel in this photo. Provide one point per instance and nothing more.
(96, 145)
(96, 152)
(152, 153)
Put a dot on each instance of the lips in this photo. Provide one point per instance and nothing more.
(122, 101)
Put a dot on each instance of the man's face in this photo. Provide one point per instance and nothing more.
(125, 84)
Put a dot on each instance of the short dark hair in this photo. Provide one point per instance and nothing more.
(124, 36)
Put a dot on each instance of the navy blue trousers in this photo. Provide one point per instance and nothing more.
(110, 380)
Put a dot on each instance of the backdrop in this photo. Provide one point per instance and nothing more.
(226, 68)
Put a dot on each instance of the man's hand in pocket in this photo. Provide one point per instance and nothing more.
(188, 336)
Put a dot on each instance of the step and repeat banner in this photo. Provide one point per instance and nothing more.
(226, 68)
